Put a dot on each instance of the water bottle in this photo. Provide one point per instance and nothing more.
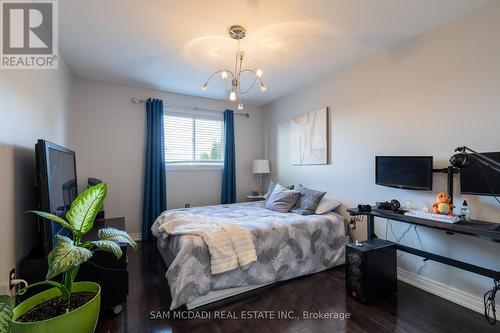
(408, 205)
(465, 211)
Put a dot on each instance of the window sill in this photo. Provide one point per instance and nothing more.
(194, 167)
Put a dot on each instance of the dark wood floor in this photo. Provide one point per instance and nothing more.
(412, 310)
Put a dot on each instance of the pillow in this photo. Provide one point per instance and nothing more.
(282, 199)
(271, 188)
(308, 201)
(327, 204)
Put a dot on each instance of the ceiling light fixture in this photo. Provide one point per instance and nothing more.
(235, 91)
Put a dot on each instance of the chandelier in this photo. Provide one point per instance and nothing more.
(235, 90)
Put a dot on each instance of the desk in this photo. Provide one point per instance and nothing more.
(483, 229)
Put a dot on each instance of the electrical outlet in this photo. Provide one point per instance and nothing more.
(12, 276)
(6, 287)
(188, 205)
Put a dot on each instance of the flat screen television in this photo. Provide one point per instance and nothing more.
(478, 179)
(405, 172)
(57, 188)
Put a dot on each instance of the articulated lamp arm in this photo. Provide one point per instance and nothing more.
(465, 154)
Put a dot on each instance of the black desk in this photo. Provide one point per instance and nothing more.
(483, 229)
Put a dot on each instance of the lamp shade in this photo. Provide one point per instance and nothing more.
(260, 166)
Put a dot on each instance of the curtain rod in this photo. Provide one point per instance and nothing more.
(136, 100)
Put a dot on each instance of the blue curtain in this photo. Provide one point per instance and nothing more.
(228, 193)
(155, 178)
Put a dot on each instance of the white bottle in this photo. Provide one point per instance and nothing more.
(408, 205)
(465, 211)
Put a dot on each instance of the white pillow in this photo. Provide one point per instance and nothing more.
(282, 199)
(327, 204)
(271, 188)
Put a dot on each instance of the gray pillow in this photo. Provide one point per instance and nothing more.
(271, 188)
(308, 201)
(282, 199)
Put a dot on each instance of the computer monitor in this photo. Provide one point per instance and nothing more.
(404, 172)
(478, 179)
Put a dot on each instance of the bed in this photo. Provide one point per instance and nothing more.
(287, 246)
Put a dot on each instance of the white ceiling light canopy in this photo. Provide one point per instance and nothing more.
(235, 91)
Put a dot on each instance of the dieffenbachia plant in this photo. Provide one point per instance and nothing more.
(70, 252)
(5, 313)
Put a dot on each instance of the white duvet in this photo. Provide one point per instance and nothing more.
(230, 245)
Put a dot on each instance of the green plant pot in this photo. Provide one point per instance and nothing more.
(81, 320)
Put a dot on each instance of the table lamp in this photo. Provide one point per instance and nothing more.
(260, 167)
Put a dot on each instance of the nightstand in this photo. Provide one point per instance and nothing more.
(251, 198)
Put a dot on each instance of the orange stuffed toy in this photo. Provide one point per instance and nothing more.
(443, 205)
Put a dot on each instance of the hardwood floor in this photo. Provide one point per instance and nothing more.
(412, 310)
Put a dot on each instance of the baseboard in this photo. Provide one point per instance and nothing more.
(137, 236)
(439, 289)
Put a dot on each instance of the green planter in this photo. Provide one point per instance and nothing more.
(81, 320)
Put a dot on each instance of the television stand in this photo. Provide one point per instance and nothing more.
(103, 268)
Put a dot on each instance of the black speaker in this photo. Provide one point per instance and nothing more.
(371, 270)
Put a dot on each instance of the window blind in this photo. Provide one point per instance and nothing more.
(193, 139)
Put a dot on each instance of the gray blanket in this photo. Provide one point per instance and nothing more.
(288, 245)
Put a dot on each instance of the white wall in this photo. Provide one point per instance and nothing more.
(108, 136)
(424, 97)
(33, 105)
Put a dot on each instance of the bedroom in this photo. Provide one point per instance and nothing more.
(411, 78)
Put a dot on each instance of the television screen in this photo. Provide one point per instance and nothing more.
(62, 181)
(405, 172)
(479, 179)
(56, 173)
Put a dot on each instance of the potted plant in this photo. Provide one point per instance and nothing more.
(68, 306)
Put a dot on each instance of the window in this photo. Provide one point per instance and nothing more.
(193, 139)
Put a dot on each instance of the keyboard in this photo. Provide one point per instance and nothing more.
(434, 217)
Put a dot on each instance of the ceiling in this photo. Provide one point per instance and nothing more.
(175, 45)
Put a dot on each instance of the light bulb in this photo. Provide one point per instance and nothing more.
(204, 86)
(240, 106)
(232, 96)
(258, 73)
(263, 87)
(224, 75)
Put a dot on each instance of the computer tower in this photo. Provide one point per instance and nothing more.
(371, 270)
